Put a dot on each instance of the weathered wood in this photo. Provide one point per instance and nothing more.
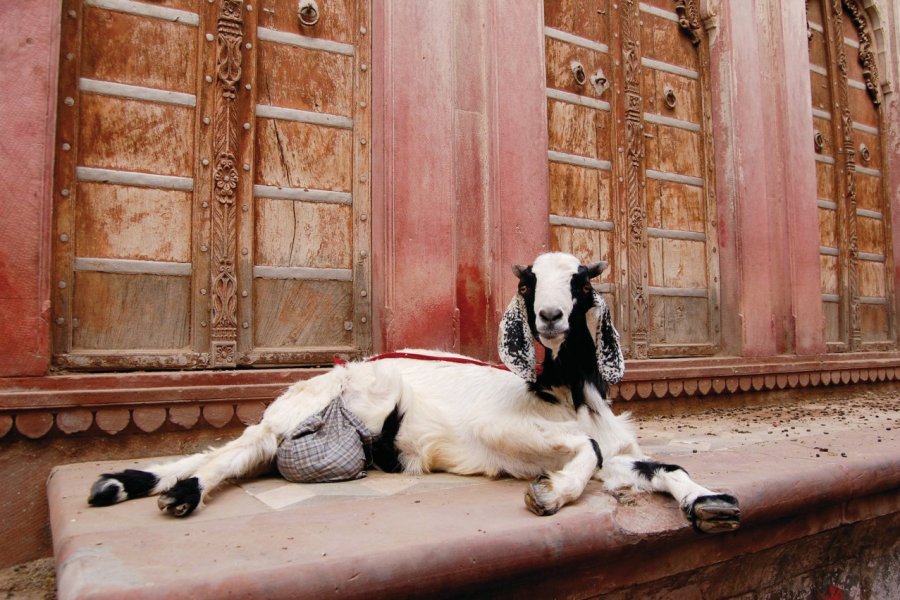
(126, 222)
(130, 312)
(132, 135)
(163, 62)
(165, 144)
(301, 314)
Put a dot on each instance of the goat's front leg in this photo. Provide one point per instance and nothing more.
(708, 511)
(563, 458)
(550, 492)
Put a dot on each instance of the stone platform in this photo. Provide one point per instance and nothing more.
(800, 471)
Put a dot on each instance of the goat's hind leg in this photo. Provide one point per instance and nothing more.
(245, 456)
(707, 511)
(129, 484)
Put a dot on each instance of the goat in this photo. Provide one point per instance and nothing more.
(552, 426)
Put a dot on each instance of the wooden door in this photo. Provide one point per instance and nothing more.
(631, 171)
(854, 217)
(211, 185)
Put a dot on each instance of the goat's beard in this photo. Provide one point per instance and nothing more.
(552, 343)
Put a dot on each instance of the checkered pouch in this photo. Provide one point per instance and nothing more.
(332, 445)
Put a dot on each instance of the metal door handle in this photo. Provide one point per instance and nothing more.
(308, 12)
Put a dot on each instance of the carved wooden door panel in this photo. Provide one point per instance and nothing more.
(854, 218)
(211, 184)
(631, 171)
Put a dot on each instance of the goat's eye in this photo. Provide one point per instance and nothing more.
(588, 288)
(523, 289)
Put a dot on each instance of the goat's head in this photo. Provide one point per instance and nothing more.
(555, 295)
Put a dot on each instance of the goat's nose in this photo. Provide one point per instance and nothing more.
(551, 315)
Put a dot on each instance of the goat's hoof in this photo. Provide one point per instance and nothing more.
(540, 497)
(181, 499)
(718, 513)
(111, 488)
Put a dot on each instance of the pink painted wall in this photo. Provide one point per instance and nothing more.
(460, 175)
(460, 167)
(766, 184)
(29, 54)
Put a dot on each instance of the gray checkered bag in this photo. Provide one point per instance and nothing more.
(332, 445)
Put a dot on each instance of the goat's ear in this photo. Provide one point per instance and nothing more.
(519, 269)
(594, 269)
(609, 354)
(516, 343)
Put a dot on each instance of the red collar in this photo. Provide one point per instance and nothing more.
(414, 356)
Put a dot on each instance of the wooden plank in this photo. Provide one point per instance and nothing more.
(303, 273)
(871, 278)
(300, 155)
(575, 40)
(160, 63)
(132, 135)
(874, 323)
(114, 221)
(560, 56)
(675, 150)
(828, 228)
(587, 19)
(677, 263)
(829, 271)
(302, 314)
(337, 20)
(303, 194)
(675, 206)
(662, 39)
(167, 10)
(136, 92)
(869, 192)
(301, 234)
(303, 116)
(679, 320)
(871, 236)
(579, 130)
(132, 267)
(580, 192)
(327, 79)
(130, 312)
(587, 245)
(825, 184)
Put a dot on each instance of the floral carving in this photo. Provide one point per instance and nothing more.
(226, 180)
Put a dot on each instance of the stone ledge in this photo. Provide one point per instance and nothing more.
(439, 536)
(147, 402)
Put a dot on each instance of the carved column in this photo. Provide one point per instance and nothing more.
(848, 154)
(225, 184)
(634, 165)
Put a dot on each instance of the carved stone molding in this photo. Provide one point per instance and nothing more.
(225, 181)
(150, 404)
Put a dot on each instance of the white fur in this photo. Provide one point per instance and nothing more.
(459, 418)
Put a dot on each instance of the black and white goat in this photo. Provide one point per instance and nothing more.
(551, 425)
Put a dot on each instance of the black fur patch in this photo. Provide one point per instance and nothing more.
(599, 454)
(135, 483)
(648, 469)
(384, 451)
(185, 497)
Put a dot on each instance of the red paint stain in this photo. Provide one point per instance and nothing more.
(833, 593)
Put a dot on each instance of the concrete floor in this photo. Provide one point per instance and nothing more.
(444, 535)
